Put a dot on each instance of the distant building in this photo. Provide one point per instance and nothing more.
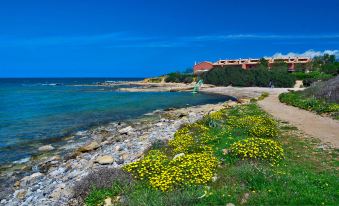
(249, 63)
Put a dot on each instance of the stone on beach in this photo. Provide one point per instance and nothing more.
(46, 148)
(104, 160)
(126, 130)
(89, 147)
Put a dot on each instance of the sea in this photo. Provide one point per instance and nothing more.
(40, 111)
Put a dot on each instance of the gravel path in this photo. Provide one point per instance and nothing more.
(323, 128)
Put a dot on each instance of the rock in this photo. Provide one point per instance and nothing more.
(225, 151)
(17, 184)
(58, 172)
(159, 124)
(104, 160)
(230, 104)
(214, 178)
(124, 156)
(244, 101)
(28, 179)
(126, 130)
(178, 155)
(46, 165)
(108, 201)
(230, 204)
(245, 198)
(46, 148)
(21, 194)
(89, 147)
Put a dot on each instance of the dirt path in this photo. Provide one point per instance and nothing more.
(323, 128)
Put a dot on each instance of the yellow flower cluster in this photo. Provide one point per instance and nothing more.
(189, 169)
(151, 165)
(258, 148)
(191, 138)
(218, 115)
(181, 142)
(165, 174)
(257, 125)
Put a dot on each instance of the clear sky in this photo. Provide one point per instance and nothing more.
(111, 38)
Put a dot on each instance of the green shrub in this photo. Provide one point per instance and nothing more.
(179, 78)
(263, 95)
(261, 77)
(308, 103)
(311, 77)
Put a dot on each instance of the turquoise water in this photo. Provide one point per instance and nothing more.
(38, 111)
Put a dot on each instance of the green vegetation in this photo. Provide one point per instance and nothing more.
(238, 155)
(263, 96)
(311, 77)
(299, 99)
(320, 69)
(154, 80)
(179, 77)
(261, 77)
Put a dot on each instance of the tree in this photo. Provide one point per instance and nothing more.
(263, 62)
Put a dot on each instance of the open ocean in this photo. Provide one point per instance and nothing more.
(37, 111)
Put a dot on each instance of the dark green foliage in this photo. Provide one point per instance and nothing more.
(263, 62)
(332, 69)
(179, 77)
(260, 76)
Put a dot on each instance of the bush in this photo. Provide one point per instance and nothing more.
(263, 95)
(319, 106)
(179, 78)
(261, 77)
(258, 148)
(311, 77)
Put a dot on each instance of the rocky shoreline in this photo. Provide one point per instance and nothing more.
(51, 179)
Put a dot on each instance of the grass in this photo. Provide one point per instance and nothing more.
(306, 176)
(319, 106)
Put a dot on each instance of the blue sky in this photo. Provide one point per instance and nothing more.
(111, 38)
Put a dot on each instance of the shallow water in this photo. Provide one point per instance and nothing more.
(35, 112)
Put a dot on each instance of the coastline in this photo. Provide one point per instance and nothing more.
(53, 177)
(118, 143)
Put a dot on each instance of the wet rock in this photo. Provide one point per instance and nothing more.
(104, 160)
(89, 147)
(126, 130)
(46, 148)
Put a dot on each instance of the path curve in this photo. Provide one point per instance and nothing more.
(323, 128)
